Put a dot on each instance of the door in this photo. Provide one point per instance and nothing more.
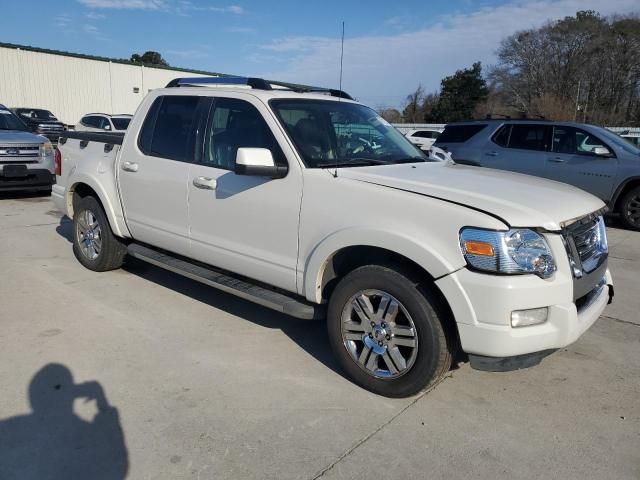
(153, 174)
(572, 161)
(245, 224)
(518, 147)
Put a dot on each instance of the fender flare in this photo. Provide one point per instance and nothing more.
(422, 254)
(113, 212)
(620, 189)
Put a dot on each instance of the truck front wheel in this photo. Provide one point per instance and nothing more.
(94, 244)
(387, 332)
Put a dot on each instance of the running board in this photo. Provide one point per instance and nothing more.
(281, 302)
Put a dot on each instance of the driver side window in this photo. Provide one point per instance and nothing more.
(236, 124)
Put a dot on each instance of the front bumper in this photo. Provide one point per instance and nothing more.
(482, 306)
(34, 179)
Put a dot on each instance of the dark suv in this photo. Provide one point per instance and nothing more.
(589, 157)
(41, 121)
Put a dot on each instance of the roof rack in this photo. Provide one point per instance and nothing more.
(255, 83)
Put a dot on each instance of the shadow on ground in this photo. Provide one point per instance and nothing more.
(52, 442)
(311, 335)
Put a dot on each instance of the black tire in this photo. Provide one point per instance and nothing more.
(434, 350)
(112, 249)
(630, 209)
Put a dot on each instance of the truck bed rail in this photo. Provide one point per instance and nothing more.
(114, 138)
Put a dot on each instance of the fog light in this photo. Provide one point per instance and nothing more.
(533, 316)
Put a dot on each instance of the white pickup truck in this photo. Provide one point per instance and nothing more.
(309, 203)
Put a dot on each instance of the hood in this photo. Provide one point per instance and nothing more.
(518, 200)
(17, 136)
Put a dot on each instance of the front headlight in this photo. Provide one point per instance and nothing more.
(46, 152)
(516, 251)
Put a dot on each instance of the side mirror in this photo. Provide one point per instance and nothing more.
(258, 162)
(107, 127)
(601, 151)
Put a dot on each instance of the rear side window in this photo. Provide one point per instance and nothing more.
(91, 121)
(169, 129)
(459, 133)
(501, 137)
(529, 137)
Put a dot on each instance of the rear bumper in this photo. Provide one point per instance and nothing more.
(35, 179)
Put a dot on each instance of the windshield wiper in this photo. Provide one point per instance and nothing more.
(409, 160)
(353, 162)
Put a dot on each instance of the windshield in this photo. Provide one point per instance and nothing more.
(36, 113)
(120, 123)
(618, 140)
(8, 121)
(330, 133)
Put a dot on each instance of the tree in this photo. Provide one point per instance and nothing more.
(391, 115)
(412, 111)
(149, 58)
(585, 67)
(460, 94)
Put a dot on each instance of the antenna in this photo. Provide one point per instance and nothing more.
(335, 173)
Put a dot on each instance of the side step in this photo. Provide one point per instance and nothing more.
(281, 302)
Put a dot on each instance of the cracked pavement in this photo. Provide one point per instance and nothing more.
(209, 386)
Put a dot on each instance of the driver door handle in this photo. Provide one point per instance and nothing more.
(557, 160)
(130, 166)
(492, 154)
(205, 183)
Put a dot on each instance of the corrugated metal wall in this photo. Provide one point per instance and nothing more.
(71, 87)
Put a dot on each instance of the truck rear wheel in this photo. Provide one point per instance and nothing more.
(94, 244)
(387, 332)
(630, 209)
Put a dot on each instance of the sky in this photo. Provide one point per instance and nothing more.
(390, 46)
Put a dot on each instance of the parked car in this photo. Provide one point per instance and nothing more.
(275, 196)
(589, 157)
(41, 121)
(424, 137)
(26, 159)
(103, 122)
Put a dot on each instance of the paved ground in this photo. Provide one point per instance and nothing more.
(203, 385)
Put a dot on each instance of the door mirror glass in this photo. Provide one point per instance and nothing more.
(257, 162)
(107, 127)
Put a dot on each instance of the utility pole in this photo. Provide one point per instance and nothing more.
(575, 113)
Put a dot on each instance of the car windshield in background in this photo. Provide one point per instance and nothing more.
(8, 121)
(120, 123)
(36, 113)
(618, 140)
(329, 133)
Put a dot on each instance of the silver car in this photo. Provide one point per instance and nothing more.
(27, 161)
(589, 157)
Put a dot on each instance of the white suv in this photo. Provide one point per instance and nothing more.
(313, 205)
(424, 138)
(103, 122)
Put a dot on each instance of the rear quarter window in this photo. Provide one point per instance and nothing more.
(459, 133)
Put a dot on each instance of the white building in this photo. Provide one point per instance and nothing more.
(71, 85)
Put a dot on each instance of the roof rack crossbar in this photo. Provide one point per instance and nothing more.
(257, 83)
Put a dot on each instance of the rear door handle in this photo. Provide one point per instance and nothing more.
(491, 154)
(130, 166)
(557, 160)
(205, 183)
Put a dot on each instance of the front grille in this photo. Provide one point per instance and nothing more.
(50, 128)
(19, 153)
(586, 243)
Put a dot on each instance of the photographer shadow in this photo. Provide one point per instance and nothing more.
(52, 442)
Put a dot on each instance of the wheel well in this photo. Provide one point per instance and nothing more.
(80, 191)
(627, 188)
(349, 258)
